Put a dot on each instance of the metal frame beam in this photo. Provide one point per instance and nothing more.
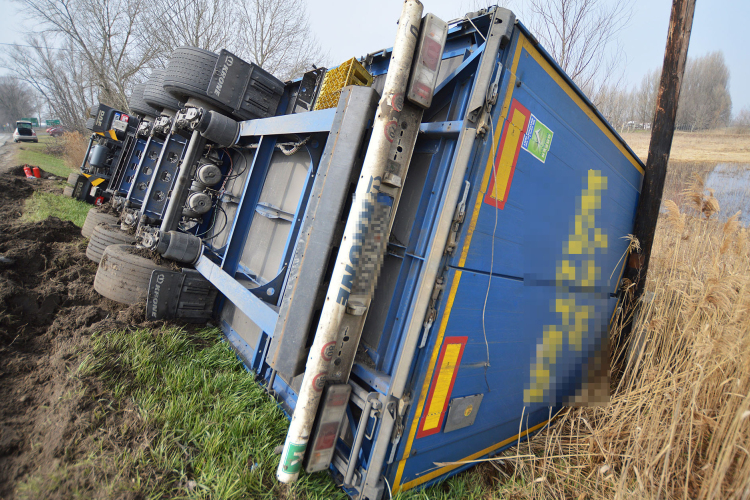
(261, 313)
(299, 123)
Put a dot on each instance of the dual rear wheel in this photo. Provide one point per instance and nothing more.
(124, 275)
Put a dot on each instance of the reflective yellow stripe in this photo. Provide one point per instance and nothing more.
(112, 134)
(515, 131)
(443, 470)
(96, 181)
(442, 386)
(546, 66)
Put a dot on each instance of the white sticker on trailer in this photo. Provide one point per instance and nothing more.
(119, 125)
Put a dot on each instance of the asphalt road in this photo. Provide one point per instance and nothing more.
(6, 144)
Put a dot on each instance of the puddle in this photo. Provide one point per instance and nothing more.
(731, 185)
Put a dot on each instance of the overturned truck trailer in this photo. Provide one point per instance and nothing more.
(423, 274)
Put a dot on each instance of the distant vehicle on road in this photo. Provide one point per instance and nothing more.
(24, 132)
(55, 131)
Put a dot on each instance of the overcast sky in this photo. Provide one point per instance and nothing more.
(348, 28)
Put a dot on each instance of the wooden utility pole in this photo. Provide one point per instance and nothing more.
(662, 132)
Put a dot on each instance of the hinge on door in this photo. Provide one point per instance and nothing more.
(458, 218)
(403, 405)
(490, 100)
(431, 315)
(494, 89)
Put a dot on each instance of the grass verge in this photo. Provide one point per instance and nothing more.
(42, 205)
(174, 414)
(214, 428)
(35, 154)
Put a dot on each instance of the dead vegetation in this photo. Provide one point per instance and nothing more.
(678, 425)
(55, 147)
(717, 146)
(74, 149)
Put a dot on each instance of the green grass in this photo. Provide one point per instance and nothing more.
(33, 154)
(206, 429)
(216, 428)
(43, 204)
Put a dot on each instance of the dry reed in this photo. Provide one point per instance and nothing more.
(705, 146)
(678, 425)
(74, 149)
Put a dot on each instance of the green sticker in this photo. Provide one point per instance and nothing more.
(293, 458)
(538, 139)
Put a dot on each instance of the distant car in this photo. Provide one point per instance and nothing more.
(55, 131)
(24, 132)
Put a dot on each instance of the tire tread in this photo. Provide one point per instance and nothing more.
(103, 236)
(93, 219)
(123, 276)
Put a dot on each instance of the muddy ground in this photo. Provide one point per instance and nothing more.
(48, 310)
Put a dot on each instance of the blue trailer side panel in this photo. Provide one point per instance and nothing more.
(531, 288)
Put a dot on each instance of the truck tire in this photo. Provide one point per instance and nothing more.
(93, 219)
(123, 276)
(68, 191)
(154, 94)
(188, 74)
(72, 178)
(103, 236)
(138, 105)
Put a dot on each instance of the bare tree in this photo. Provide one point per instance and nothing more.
(705, 101)
(582, 37)
(59, 75)
(276, 35)
(17, 100)
(742, 120)
(645, 97)
(95, 50)
(616, 104)
(207, 24)
(112, 37)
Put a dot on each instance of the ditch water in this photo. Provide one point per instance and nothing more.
(731, 185)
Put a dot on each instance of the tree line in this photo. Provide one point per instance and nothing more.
(583, 36)
(705, 102)
(89, 51)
